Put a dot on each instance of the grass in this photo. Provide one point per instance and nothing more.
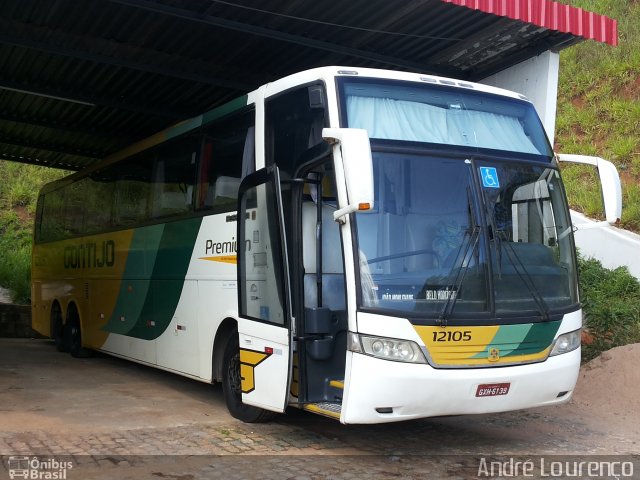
(599, 110)
(15, 262)
(18, 196)
(611, 302)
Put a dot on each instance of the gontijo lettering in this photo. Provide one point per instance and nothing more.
(90, 255)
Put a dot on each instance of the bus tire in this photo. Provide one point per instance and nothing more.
(231, 387)
(74, 335)
(57, 328)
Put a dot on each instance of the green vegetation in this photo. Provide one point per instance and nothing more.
(599, 110)
(611, 300)
(18, 194)
(599, 114)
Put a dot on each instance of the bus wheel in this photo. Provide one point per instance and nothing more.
(57, 328)
(74, 336)
(231, 387)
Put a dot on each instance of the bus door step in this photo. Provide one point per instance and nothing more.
(324, 408)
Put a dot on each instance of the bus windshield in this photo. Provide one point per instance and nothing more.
(470, 232)
(440, 244)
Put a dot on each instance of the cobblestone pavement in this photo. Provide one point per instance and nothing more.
(121, 420)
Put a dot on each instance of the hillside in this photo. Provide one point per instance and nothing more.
(18, 193)
(599, 109)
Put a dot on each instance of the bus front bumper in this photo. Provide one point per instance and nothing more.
(385, 391)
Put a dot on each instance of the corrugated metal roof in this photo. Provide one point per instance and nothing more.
(551, 15)
(81, 80)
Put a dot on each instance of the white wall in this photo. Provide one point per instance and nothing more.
(537, 79)
(613, 246)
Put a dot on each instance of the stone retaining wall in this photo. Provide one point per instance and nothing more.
(15, 321)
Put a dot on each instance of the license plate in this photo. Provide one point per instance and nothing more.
(492, 389)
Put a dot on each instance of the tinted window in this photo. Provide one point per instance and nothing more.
(228, 154)
(99, 201)
(74, 208)
(174, 177)
(52, 216)
(294, 125)
(133, 189)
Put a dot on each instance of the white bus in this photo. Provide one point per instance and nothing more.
(369, 245)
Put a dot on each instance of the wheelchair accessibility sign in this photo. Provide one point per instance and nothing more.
(489, 177)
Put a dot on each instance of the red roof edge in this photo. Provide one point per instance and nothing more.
(551, 15)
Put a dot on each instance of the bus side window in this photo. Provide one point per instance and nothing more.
(74, 208)
(133, 190)
(51, 227)
(99, 198)
(174, 178)
(227, 155)
(294, 122)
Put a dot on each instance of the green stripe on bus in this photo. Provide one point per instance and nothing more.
(225, 109)
(527, 339)
(134, 286)
(539, 337)
(167, 280)
(184, 127)
(507, 338)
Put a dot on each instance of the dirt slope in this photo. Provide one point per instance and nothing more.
(609, 387)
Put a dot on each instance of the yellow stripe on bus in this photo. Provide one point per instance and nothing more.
(92, 285)
(222, 259)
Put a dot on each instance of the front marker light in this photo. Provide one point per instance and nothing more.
(353, 342)
(565, 343)
(386, 348)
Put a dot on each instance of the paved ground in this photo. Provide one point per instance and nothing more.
(121, 420)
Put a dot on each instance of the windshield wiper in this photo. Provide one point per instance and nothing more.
(461, 273)
(474, 238)
(525, 276)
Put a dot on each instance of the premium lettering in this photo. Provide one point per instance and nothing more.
(220, 248)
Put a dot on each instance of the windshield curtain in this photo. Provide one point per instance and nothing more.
(436, 114)
(437, 239)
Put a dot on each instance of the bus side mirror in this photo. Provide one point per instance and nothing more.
(609, 182)
(351, 148)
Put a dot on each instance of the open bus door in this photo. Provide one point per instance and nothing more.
(264, 299)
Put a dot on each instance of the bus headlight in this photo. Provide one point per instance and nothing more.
(565, 343)
(386, 348)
